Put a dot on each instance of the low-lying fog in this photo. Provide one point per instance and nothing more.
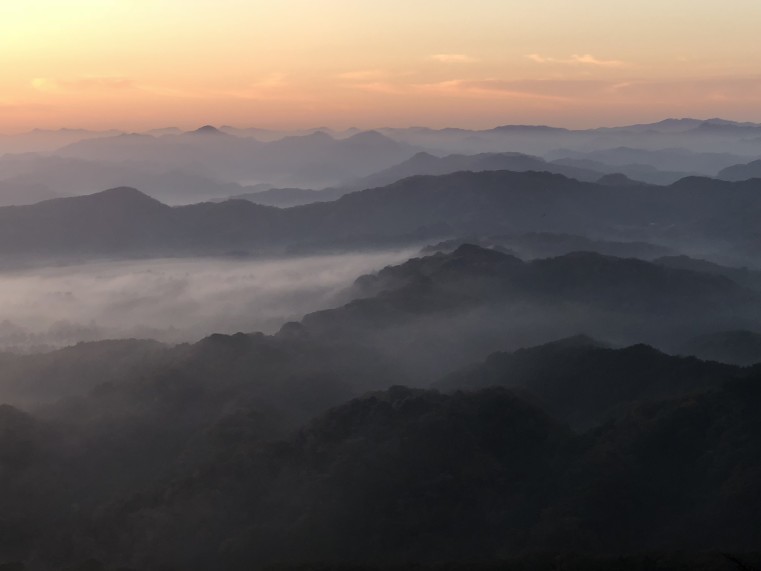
(172, 300)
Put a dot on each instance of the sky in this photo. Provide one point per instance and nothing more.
(139, 64)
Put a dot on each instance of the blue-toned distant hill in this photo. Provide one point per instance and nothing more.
(314, 160)
(741, 171)
(692, 215)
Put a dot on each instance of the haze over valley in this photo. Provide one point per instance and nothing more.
(348, 285)
(171, 300)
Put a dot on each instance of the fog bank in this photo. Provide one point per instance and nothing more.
(171, 300)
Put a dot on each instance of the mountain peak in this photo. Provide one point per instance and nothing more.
(120, 195)
(207, 130)
(122, 191)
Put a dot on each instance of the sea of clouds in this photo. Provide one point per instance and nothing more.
(172, 300)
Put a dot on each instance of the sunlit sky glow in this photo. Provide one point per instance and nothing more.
(137, 64)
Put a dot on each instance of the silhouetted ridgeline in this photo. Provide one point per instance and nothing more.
(586, 384)
(742, 171)
(212, 163)
(427, 164)
(739, 347)
(549, 245)
(443, 311)
(314, 159)
(692, 215)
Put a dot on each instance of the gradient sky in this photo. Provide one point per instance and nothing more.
(136, 64)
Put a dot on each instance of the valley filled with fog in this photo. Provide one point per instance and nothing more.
(172, 300)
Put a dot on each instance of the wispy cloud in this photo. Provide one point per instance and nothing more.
(375, 81)
(266, 87)
(539, 59)
(380, 87)
(587, 91)
(363, 75)
(722, 89)
(84, 83)
(272, 80)
(453, 58)
(576, 59)
(537, 90)
(14, 107)
(588, 59)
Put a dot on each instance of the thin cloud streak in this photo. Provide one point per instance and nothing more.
(576, 59)
(363, 75)
(454, 58)
(581, 91)
(573, 92)
(85, 83)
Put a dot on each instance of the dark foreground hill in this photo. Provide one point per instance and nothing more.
(409, 475)
(244, 450)
(739, 347)
(443, 311)
(692, 215)
(193, 463)
(586, 384)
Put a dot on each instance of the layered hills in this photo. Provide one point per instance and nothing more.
(695, 214)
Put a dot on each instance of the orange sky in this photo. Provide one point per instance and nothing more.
(136, 64)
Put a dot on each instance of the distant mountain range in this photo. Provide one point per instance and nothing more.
(712, 135)
(674, 159)
(316, 159)
(27, 179)
(690, 215)
(427, 164)
(288, 197)
(549, 245)
(420, 164)
(210, 163)
(741, 171)
(31, 178)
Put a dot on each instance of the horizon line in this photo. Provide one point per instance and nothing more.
(120, 130)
